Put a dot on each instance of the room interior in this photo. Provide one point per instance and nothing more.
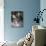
(32, 33)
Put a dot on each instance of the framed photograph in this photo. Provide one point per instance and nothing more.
(17, 18)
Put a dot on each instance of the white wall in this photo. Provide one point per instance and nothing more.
(43, 6)
(1, 20)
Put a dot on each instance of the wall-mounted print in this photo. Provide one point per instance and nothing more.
(17, 18)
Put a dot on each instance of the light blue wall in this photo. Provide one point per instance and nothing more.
(29, 7)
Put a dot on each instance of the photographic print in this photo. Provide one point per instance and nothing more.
(17, 18)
